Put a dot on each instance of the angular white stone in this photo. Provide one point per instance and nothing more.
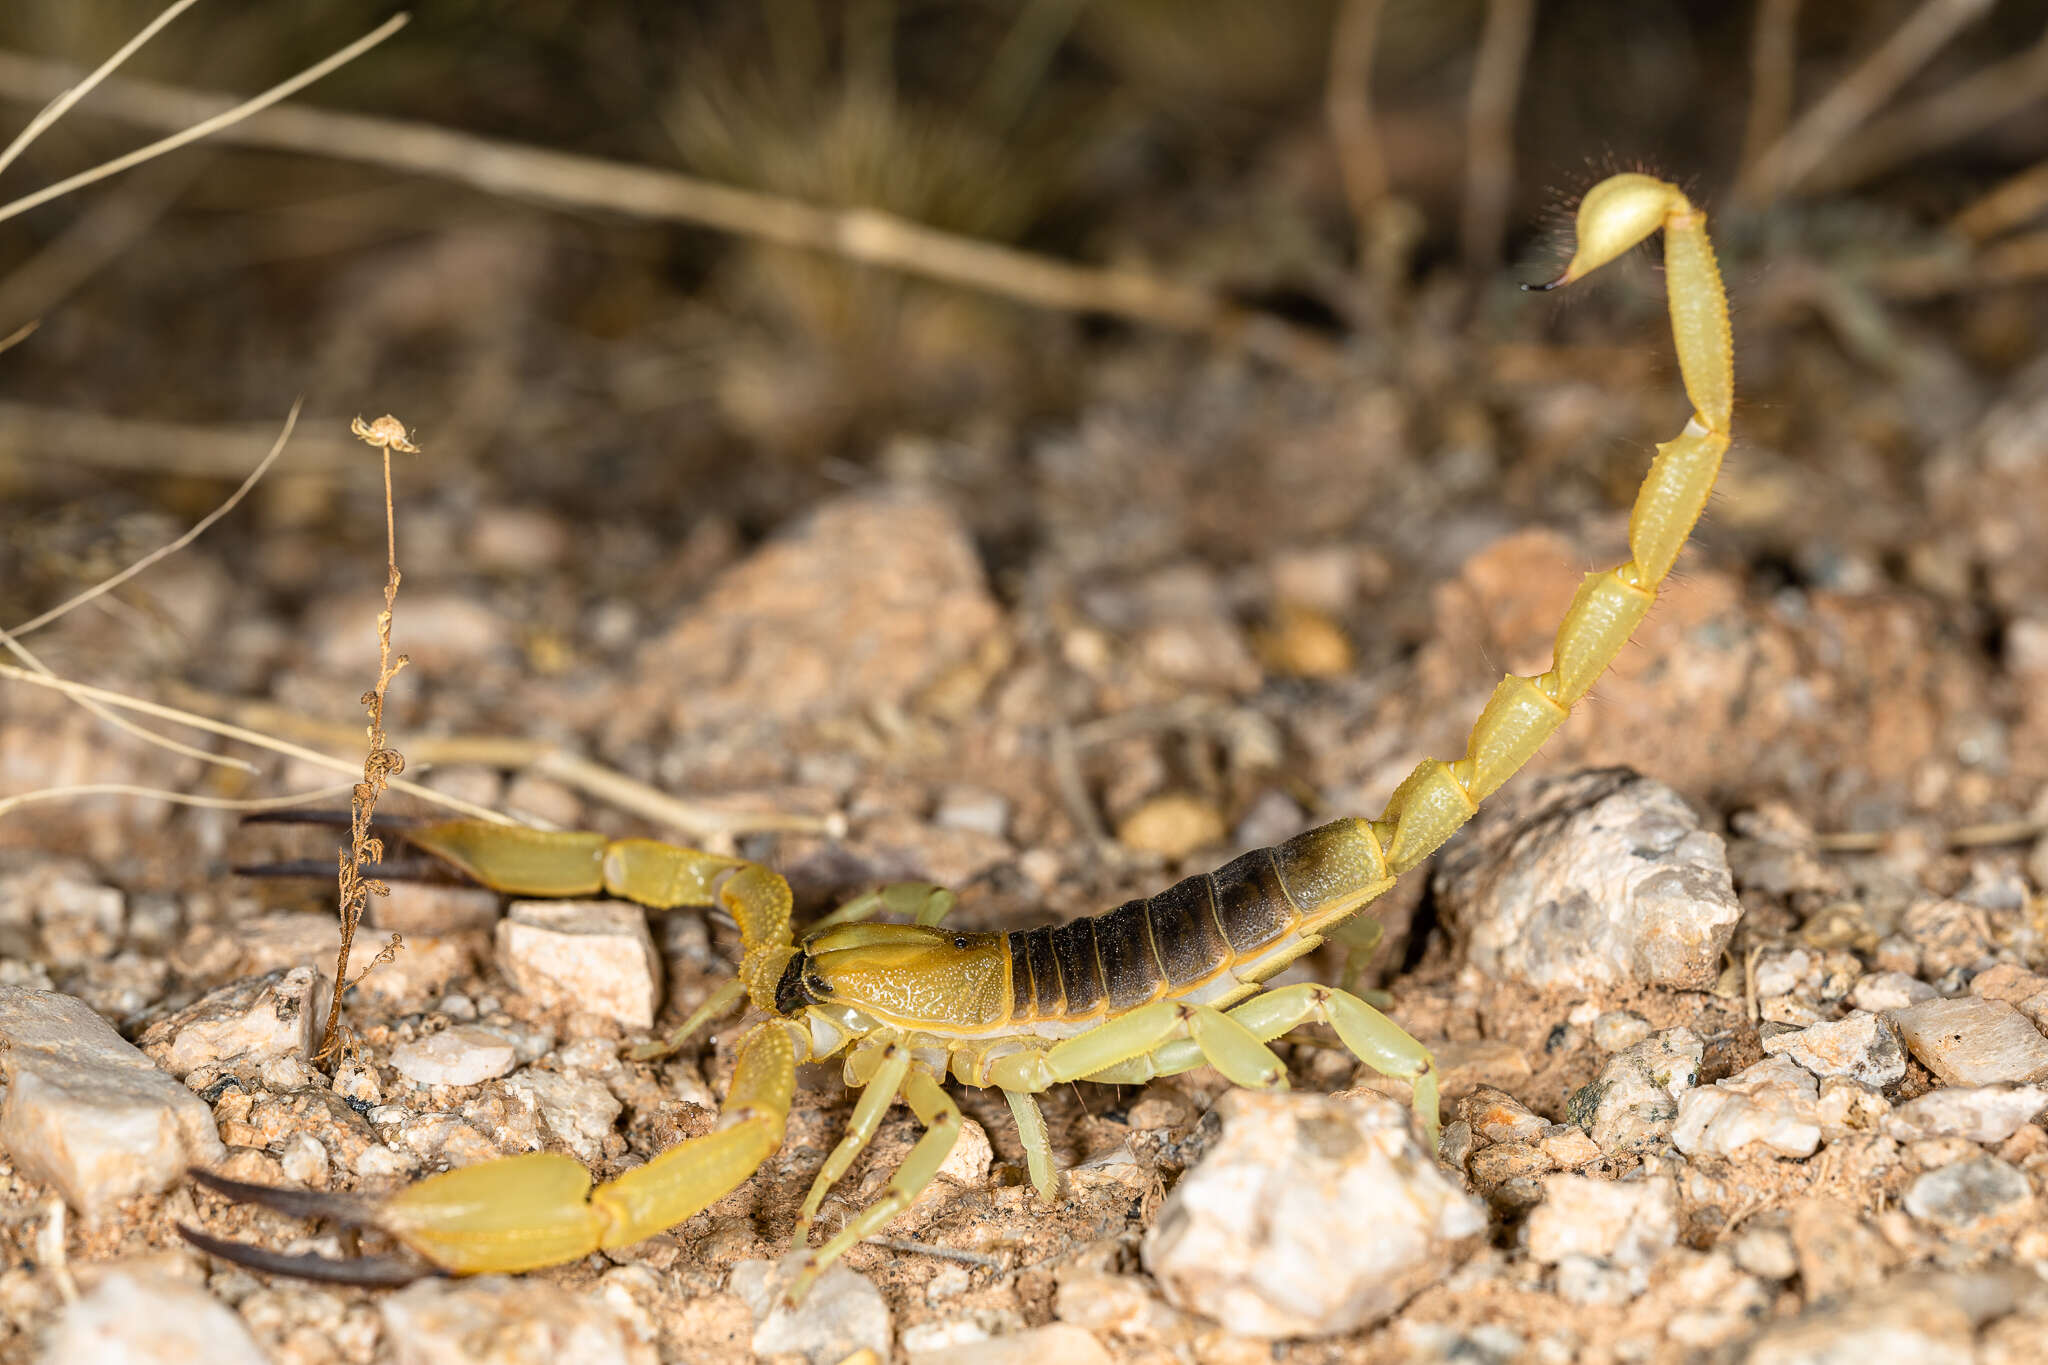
(1633, 1102)
(1311, 1214)
(462, 1055)
(250, 1022)
(1968, 1192)
(1973, 1041)
(1774, 1104)
(1981, 1114)
(594, 956)
(1864, 1047)
(87, 1112)
(137, 1318)
(1597, 879)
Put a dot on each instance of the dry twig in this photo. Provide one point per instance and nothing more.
(1820, 131)
(383, 762)
(867, 236)
(1490, 128)
(1773, 65)
(1347, 106)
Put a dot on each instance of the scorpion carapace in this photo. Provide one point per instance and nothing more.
(1154, 987)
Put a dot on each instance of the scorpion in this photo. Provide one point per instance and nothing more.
(1155, 987)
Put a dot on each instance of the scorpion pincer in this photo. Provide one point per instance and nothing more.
(1154, 987)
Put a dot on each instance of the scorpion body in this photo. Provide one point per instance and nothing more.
(1156, 986)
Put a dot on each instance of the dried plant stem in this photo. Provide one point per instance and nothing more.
(383, 762)
(1490, 128)
(1940, 120)
(867, 236)
(56, 108)
(1347, 107)
(1820, 131)
(2008, 204)
(1773, 67)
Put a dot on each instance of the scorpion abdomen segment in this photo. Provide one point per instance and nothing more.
(1185, 932)
(1131, 967)
(1073, 948)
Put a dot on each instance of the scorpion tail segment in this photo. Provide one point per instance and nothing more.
(1619, 212)
(941, 1118)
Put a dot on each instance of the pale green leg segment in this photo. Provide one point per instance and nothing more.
(941, 1118)
(1037, 1143)
(1361, 938)
(1372, 1037)
(875, 1099)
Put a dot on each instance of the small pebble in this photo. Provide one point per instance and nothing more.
(842, 1314)
(1172, 825)
(1633, 1102)
(1864, 1047)
(1058, 1343)
(1246, 1237)
(462, 1055)
(1618, 1029)
(972, 808)
(1981, 1114)
(1767, 1252)
(1774, 1105)
(1498, 1117)
(246, 1023)
(595, 956)
(1625, 1223)
(1973, 1041)
(1968, 1192)
(1880, 991)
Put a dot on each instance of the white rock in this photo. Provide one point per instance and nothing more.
(1864, 1047)
(1922, 1317)
(462, 1055)
(1981, 1114)
(247, 1022)
(1311, 1214)
(1968, 1192)
(1626, 1223)
(87, 1112)
(1774, 1104)
(1973, 1041)
(80, 920)
(304, 1160)
(842, 1314)
(1880, 991)
(1633, 1102)
(1057, 1344)
(973, 808)
(1618, 1029)
(576, 1109)
(1597, 879)
(135, 1318)
(594, 956)
(492, 1320)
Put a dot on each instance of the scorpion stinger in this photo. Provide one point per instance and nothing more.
(1152, 988)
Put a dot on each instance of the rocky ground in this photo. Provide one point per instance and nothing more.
(1718, 1086)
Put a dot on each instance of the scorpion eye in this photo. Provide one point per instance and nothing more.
(959, 940)
(816, 985)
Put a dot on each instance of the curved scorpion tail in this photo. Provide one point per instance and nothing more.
(1616, 215)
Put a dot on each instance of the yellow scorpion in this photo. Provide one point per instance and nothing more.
(1155, 987)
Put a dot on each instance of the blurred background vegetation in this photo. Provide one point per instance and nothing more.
(1331, 194)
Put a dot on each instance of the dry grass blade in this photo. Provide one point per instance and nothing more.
(205, 127)
(1347, 108)
(246, 805)
(1773, 67)
(56, 108)
(243, 735)
(2005, 206)
(867, 236)
(1820, 131)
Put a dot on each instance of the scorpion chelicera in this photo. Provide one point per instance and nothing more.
(1155, 987)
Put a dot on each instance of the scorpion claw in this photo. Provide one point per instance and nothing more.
(371, 1272)
(363, 1272)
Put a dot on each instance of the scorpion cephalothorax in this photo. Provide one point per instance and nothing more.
(1154, 987)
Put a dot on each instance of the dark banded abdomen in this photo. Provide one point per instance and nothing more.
(1145, 949)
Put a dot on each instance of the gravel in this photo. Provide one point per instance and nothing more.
(594, 956)
(1773, 1105)
(137, 1317)
(1633, 1103)
(1979, 1113)
(244, 1024)
(1863, 1047)
(463, 1055)
(842, 1314)
(492, 1320)
(1969, 1192)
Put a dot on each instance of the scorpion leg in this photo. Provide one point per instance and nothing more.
(941, 1119)
(1045, 1177)
(1109, 1047)
(887, 1067)
(1373, 1038)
